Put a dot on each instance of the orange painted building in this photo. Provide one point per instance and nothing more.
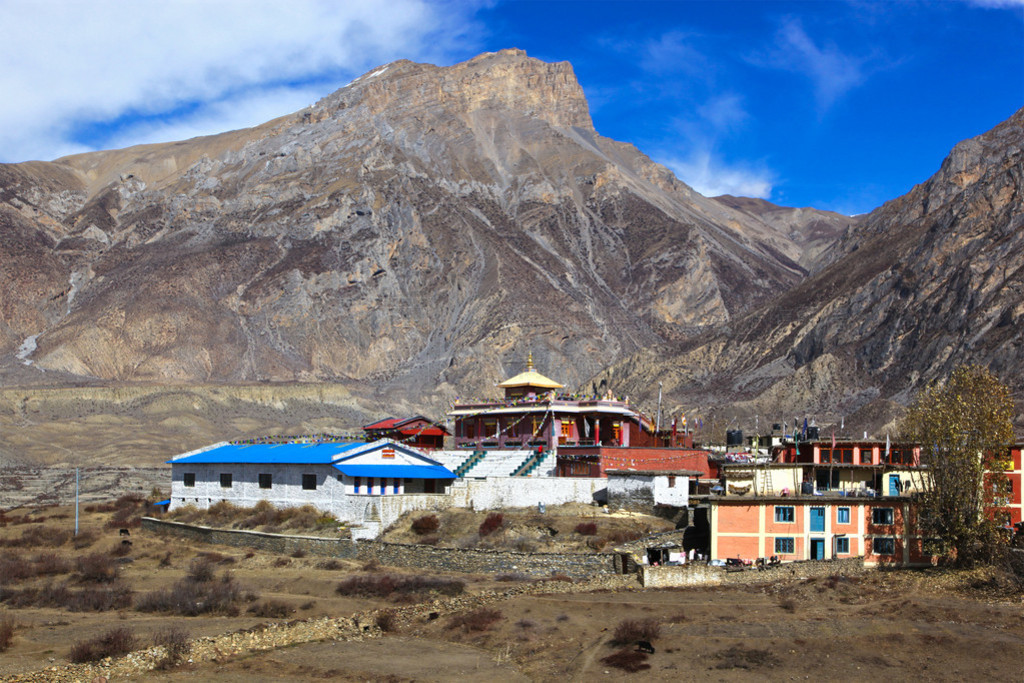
(881, 530)
(1015, 474)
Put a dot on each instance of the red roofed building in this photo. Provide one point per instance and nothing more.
(418, 432)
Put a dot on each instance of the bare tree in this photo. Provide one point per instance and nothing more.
(965, 428)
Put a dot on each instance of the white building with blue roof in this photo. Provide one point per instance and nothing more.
(340, 478)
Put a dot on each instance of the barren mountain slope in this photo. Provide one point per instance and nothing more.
(927, 281)
(411, 235)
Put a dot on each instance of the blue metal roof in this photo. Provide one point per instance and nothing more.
(396, 471)
(270, 454)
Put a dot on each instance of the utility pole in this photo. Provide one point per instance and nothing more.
(657, 428)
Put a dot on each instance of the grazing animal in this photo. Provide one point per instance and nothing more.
(645, 646)
(126, 542)
(124, 532)
(433, 615)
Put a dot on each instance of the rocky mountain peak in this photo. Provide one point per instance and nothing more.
(504, 80)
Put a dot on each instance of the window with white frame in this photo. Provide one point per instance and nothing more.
(784, 513)
(842, 546)
(785, 546)
(843, 516)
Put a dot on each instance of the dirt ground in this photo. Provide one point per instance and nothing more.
(893, 624)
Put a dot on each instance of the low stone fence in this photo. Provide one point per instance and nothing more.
(239, 538)
(699, 574)
(472, 560)
(466, 560)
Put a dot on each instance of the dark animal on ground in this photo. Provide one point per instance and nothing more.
(124, 532)
(645, 646)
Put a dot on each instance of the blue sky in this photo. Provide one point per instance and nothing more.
(837, 105)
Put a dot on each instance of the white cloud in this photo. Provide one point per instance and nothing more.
(998, 4)
(832, 72)
(74, 65)
(712, 177)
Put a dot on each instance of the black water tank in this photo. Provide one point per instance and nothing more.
(812, 433)
(776, 427)
(734, 437)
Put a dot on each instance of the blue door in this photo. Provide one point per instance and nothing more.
(893, 481)
(817, 519)
(817, 548)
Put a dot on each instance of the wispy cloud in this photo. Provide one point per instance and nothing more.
(712, 176)
(998, 4)
(70, 66)
(832, 72)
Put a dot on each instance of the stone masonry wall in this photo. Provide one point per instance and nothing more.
(238, 538)
(704, 575)
(576, 565)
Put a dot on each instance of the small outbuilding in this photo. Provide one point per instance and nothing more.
(642, 490)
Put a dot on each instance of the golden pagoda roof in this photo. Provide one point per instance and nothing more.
(530, 378)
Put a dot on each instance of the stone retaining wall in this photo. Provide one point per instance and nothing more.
(472, 560)
(239, 538)
(466, 560)
(704, 575)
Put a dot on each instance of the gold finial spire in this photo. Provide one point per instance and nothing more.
(529, 361)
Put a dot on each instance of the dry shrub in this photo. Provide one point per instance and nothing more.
(619, 536)
(121, 550)
(299, 554)
(262, 514)
(597, 543)
(40, 537)
(176, 644)
(389, 585)
(84, 539)
(200, 592)
(272, 609)
(586, 528)
(560, 576)
(95, 599)
(739, 657)
(426, 524)
(282, 562)
(304, 517)
(491, 523)
(627, 660)
(387, 620)
(6, 633)
(98, 568)
(514, 576)
(201, 569)
(788, 604)
(330, 564)
(480, 619)
(634, 630)
(114, 643)
(16, 568)
(165, 561)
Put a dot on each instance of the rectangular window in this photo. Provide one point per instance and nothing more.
(225, 480)
(784, 546)
(397, 484)
(867, 456)
(671, 482)
(842, 546)
(881, 516)
(843, 516)
(309, 482)
(356, 483)
(566, 429)
(266, 481)
(188, 479)
(784, 513)
(883, 546)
